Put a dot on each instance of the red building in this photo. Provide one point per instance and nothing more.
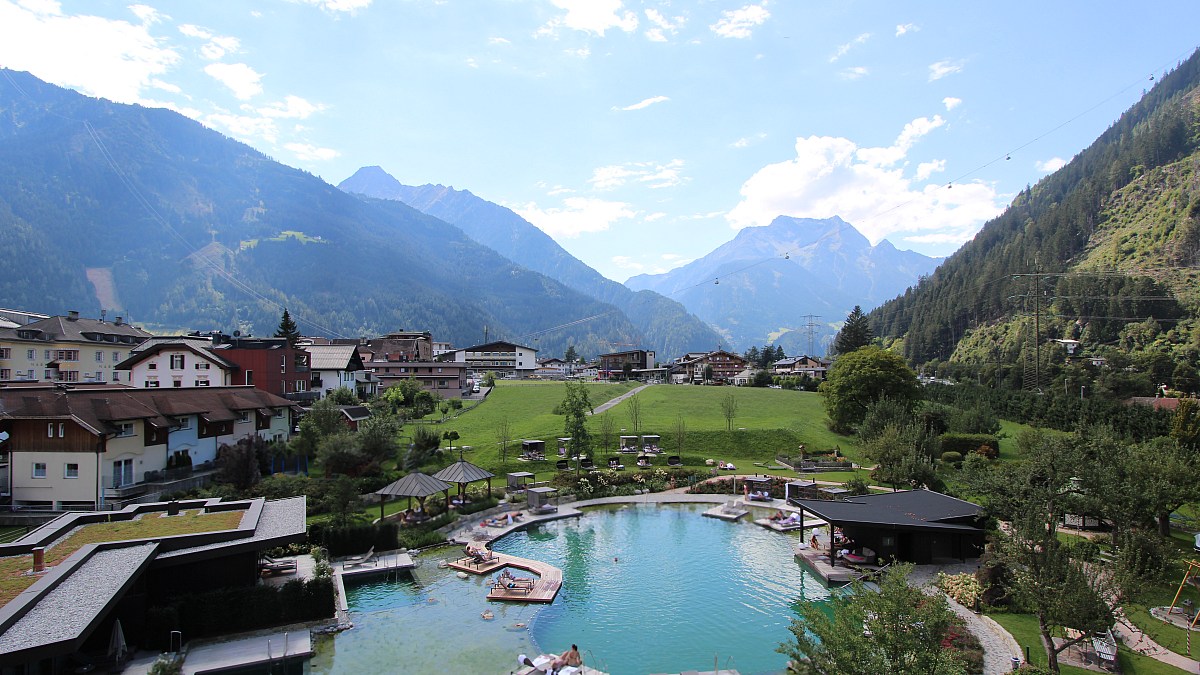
(268, 364)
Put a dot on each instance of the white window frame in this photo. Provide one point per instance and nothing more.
(67, 473)
(125, 430)
(39, 470)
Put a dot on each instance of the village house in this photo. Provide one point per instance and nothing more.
(65, 348)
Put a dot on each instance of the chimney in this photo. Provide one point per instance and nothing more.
(39, 559)
(102, 313)
(117, 321)
(72, 315)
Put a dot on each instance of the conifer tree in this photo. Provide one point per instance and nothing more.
(855, 333)
(288, 329)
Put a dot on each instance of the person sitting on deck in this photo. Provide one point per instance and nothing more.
(571, 657)
(778, 516)
(813, 543)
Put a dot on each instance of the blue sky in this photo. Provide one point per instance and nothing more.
(639, 134)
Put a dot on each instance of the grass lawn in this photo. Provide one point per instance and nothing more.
(1024, 628)
(768, 421)
(1167, 635)
(13, 579)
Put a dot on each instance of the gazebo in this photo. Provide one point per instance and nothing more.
(650, 443)
(463, 472)
(629, 444)
(415, 484)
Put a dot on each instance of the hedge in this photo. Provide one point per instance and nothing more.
(965, 444)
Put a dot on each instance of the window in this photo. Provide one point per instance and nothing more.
(202, 366)
(116, 356)
(152, 383)
(249, 377)
(301, 385)
(177, 362)
(117, 376)
(243, 416)
(5, 353)
(70, 470)
(29, 354)
(70, 376)
(202, 383)
(177, 383)
(47, 354)
(39, 469)
(5, 374)
(50, 430)
(282, 364)
(99, 357)
(122, 472)
(67, 354)
(152, 366)
(124, 429)
(184, 422)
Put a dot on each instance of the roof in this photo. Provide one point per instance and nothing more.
(355, 413)
(463, 471)
(909, 510)
(75, 330)
(97, 409)
(494, 346)
(414, 485)
(334, 357)
(154, 346)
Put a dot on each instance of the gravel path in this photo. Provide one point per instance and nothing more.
(610, 403)
(999, 646)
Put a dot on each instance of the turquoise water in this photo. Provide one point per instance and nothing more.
(683, 589)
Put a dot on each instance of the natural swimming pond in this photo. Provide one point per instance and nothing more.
(646, 589)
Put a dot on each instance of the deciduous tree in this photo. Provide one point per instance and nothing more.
(861, 377)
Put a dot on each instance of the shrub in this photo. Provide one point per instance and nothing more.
(964, 443)
(857, 486)
(963, 588)
(952, 457)
(988, 451)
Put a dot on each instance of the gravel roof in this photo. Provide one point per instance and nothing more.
(66, 612)
(279, 518)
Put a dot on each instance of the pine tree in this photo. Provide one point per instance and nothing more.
(855, 333)
(288, 329)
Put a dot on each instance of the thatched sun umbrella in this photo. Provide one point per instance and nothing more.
(415, 484)
(463, 472)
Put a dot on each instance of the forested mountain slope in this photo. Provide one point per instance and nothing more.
(196, 230)
(1108, 232)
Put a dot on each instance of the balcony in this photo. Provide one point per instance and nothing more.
(158, 482)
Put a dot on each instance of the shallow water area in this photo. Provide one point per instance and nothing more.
(662, 589)
(647, 589)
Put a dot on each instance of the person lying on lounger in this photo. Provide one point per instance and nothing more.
(793, 519)
(779, 515)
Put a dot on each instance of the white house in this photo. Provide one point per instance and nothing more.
(176, 362)
(502, 358)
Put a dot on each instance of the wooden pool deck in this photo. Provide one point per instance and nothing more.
(543, 590)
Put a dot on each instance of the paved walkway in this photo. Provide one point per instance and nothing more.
(1135, 639)
(610, 403)
(999, 646)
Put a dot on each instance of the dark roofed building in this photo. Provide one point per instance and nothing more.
(918, 526)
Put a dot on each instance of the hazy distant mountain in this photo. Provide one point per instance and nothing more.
(150, 214)
(771, 277)
(665, 325)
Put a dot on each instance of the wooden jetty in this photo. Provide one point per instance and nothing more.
(543, 589)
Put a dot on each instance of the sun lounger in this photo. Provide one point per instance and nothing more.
(674, 460)
(268, 566)
(367, 558)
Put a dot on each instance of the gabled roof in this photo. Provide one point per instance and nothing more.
(334, 357)
(75, 330)
(156, 346)
(99, 409)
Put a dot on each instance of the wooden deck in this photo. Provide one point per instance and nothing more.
(544, 589)
(809, 523)
(732, 510)
(818, 560)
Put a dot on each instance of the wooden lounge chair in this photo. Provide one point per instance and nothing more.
(268, 566)
(367, 558)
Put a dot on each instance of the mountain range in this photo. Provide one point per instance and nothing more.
(148, 214)
(662, 324)
(771, 283)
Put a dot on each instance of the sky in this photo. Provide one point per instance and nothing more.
(639, 134)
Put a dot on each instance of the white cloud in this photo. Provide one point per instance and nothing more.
(954, 237)
(912, 131)
(216, 46)
(943, 68)
(498, 41)
(351, 6)
(291, 107)
(241, 79)
(245, 127)
(662, 26)
(951, 103)
(311, 153)
(867, 187)
(626, 263)
(842, 49)
(192, 30)
(654, 176)
(580, 53)
(591, 16)
(657, 215)
(98, 56)
(903, 28)
(577, 216)
(927, 169)
(853, 72)
(746, 141)
(740, 23)
(1050, 165)
(147, 14)
(644, 103)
